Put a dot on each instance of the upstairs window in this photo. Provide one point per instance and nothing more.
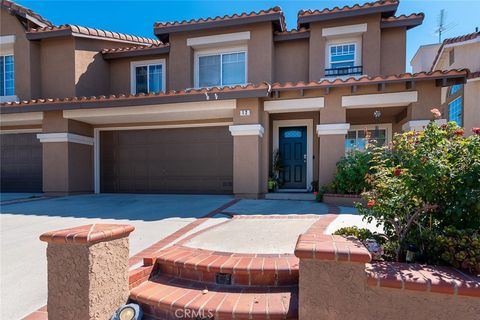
(455, 111)
(7, 86)
(148, 76)
(342, 55)
(220, 69)
(454, 89)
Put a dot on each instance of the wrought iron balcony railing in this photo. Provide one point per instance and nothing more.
(344, 71)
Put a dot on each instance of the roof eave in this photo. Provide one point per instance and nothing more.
(407, 23)
(291, 36)
(386, 11)
(135, 53)
(163, 31)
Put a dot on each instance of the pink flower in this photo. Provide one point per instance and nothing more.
(370, 204)
(436, 113)
(459, 132)
(397, 172)
(315, 193)
(476, 130)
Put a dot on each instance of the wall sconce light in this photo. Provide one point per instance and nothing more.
(377, 114)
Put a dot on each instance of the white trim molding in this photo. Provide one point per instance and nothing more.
(65, 137)
(247, 130)
(7, 39)
(219, 39)
(24, 118)
(344, 30)
(294, 105)
(20, 131)
(419, 125)
(277, 124)
(394, 99)
(333, 128)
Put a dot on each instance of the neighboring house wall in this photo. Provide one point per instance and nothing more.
(291, 61)
(423, 59)
(393, 51)
(25, 54)
(466, 55)
(471, 114)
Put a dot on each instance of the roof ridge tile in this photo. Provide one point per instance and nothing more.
(347, 7)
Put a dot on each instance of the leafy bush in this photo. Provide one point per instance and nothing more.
(351, 171)
(361, 234)
(423, 183)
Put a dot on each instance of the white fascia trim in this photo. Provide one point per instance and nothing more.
(64, 137)
(344, 30)
(6, 119)
(294, 105)
(221, 39)
(331, 129)
(419, 125)
(18, 131)
(247, 130)
(393, 99)
(7, 39)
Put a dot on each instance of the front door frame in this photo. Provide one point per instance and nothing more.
(277, 124)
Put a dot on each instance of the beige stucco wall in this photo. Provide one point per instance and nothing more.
(466, 56)
(259, 56)
(471, 106)
(334, 290)
(393, 53)
(247, 168)
(81, 279)
(26, 55)
(291, 61)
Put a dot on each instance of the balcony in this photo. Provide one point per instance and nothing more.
(344, 71)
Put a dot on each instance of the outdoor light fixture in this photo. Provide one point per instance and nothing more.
(128, 312)
(377, 114)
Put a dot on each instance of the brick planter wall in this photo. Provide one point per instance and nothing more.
(338, 281)
(342, 199)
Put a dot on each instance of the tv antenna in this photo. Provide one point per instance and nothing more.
(442, 25)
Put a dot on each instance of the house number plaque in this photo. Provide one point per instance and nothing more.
(245, 112)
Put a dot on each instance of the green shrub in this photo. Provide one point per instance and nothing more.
(423, 183)
(351, 171)
(361, 234)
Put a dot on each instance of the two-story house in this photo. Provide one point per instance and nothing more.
(460, 103)
(205, 106)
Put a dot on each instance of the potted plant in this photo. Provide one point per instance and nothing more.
(272, 184)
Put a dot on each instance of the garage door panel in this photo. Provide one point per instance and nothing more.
(187, 160)
(21, 163)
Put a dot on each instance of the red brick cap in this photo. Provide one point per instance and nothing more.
(88, 234)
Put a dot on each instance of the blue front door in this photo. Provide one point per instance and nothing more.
(293, 157)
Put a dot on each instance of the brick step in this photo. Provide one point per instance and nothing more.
(164, 297)
(228, 268)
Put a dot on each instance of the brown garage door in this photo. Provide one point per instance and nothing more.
(21, 163)
(184, 160)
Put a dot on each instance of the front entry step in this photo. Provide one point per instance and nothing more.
(165, 297)
(304, 196)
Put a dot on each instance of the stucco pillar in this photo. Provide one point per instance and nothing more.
(67, 155)
(247, 164)
(331, 149)
(87, 271)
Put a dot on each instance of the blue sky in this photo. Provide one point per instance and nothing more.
(137, 17)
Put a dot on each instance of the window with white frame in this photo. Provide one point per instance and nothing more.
(214, 69)
(148, 76)
(455, 111)
(7, 82)
(359, 137)
(342, 55)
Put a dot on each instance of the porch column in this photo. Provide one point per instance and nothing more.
(247, 173)
(67, 155)
(331, 149)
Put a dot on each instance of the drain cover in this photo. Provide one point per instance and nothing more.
(223, 278)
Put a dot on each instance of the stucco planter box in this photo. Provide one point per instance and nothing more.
(342, 199)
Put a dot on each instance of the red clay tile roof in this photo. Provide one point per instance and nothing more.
(371, 80)
(299, 33)
(69, 29)
(210, 93)
(275, 11)
(24, 12)
(387, 7)
(474, 75)
(409, 21)
(465, 37)
(292, 31)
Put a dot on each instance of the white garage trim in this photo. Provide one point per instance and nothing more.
(247, 130)
(331, 129)
(24, 118)
(19, 131)
(294, 105)
(96, 139)
(394, 99)
(64, 137)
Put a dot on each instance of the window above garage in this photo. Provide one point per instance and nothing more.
(214, 68)
(148, 76)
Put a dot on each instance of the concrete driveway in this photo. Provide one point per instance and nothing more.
(23, 278)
